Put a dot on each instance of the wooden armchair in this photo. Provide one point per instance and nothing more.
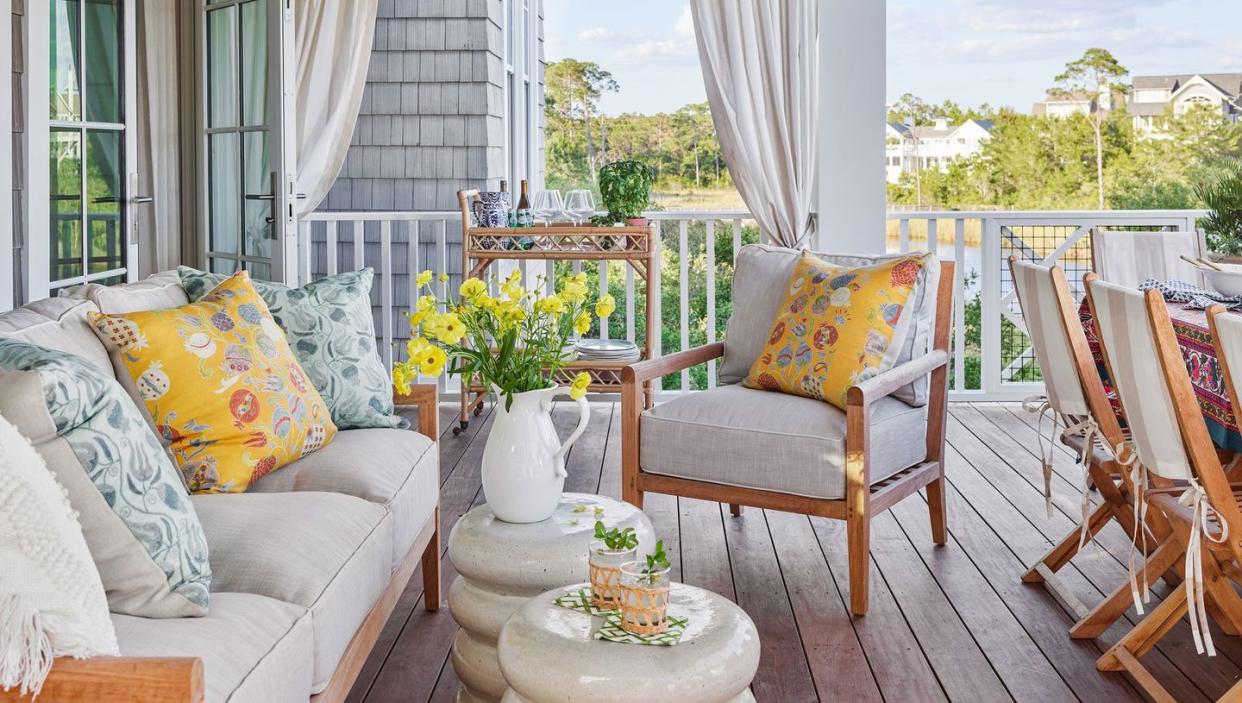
(837, 471)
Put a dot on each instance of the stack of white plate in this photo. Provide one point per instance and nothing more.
(618, 350)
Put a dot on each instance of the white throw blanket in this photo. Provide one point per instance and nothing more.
(52, 601)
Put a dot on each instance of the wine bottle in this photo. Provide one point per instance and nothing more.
(523, 208)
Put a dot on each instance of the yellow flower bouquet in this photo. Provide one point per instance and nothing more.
(515, 341)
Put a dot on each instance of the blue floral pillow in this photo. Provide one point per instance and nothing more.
(330, 329)
(135, 511)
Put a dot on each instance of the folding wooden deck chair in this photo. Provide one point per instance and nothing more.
(1076, 394)
(1170, 443)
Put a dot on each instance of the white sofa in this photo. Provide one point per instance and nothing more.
(306, 567)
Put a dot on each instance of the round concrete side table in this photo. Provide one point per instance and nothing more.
(549, 654)
(502, 565)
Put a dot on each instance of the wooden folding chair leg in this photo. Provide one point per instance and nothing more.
(1146, 633)
(1156, 692)
(1102, 616)
(1065, 550)
(1223, 603)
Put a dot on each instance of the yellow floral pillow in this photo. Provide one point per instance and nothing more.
(221, 384)
(835, 327)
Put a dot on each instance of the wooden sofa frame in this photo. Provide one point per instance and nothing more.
(863, 500)
(180, 679)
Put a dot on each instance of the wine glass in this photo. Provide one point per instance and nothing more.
(548, 205)
(579, 205)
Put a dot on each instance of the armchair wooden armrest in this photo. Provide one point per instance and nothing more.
(885, 384)
(644, 371)
(425, 397)
(117, 679)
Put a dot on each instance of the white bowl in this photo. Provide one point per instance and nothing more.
(1228, 281)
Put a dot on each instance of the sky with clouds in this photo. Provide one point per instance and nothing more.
(1004, 52)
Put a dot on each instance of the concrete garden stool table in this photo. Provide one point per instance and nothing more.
(549, 654)
(503, 564)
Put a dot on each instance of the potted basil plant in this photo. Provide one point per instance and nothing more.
(609, 551)
(625, 188)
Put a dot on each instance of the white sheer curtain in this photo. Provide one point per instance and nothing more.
(333, 40)
(760, 67)
(159, 163)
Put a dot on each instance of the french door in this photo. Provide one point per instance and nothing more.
(91, 147)
(246, 148)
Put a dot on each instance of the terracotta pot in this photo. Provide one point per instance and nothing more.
(636, 221)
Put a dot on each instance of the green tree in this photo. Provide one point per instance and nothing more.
(571, 90)
(1096, 75)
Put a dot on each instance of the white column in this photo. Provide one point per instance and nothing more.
(36, 248)
(851, 194)
(6, 158)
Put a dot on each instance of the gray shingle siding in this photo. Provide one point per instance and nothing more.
(432, 115)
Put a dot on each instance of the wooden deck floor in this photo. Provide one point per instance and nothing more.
(949, 623)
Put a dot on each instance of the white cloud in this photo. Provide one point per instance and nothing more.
(655, 51)
(685, 23)
(595, 34)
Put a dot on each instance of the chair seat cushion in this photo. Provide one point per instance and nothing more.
(326, 552)
(254, 649)
(394, 468)
(751, 438)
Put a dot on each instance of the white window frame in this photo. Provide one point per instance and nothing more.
(36, 254)
(521, 93)
(7, 292)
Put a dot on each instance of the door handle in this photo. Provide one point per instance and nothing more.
(260, 196)
(142, 199)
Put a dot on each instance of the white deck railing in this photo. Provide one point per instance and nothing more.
(991, 359)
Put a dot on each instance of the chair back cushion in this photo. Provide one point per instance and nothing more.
(835, 327)
(60, 324)
(759, 278)
(142, 531)
(159, 291)
(1041, 311)
(221, 385)
(1129, 258)
(1128, 338)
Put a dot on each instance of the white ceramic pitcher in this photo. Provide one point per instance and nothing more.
(524, 460)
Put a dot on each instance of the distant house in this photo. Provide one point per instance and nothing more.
(932, 146)
(1154, 96)
(1076, 103)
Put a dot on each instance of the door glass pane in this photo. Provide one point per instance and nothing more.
(224, 183)
(103, 65)
(222, 67)
(259, 272)
(254, 62)
(106, 233)
(65, 185)
(225, 266)
(66, 35)
(258, 182)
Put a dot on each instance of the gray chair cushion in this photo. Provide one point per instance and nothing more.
(393, 468)
(741, 436)
(60, 324)
(759, 278)
(254, 649)
(326, 552)
(159, 291)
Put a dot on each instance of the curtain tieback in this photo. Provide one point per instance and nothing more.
(1201, 510)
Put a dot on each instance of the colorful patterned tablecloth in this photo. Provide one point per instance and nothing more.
(1195, 339)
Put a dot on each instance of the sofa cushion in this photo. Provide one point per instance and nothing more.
(398, 469)
(160, 291)
(254, 649)
(139, 524)
(745, 437)
(759, 277)
(219, 380)
(326, 552)
(60, 324)
(332, 333)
